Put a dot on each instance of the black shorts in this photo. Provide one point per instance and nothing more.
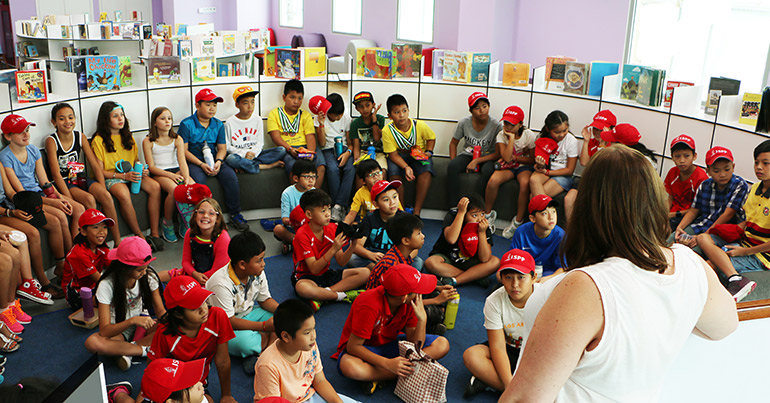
(327, 279)
(513, 354)
(460, 264)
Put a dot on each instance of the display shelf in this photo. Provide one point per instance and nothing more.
(227, 80)
(53, 99)
(269, 79)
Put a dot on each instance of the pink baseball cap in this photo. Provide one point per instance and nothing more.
(93, 216)
(403, 279)
(718, 152)
(624, 133)
(473, 98)
(683, 139)
(207, 95)
(604, 120)
(133, 251)
(319, 104)
(15, 124)
(513, 115)
(184, 291)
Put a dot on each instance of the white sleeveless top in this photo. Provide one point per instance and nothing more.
(165, 156)
(647, 319)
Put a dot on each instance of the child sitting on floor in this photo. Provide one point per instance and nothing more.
(304, 177)
(541, 237)
(205, 244)
(370, 172)
(84, 263)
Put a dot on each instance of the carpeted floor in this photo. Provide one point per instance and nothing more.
(53, 348)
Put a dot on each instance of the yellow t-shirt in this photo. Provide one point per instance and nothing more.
(110, 159)
(364, 198)
(422, 131)
(757, 208)
(294, 139)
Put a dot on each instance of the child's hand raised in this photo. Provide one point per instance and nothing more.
(462, 205)
(376, 108)
(483, 225)
(419, 308)
(339, 241)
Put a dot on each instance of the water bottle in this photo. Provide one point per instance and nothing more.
(137, 186)
(538, 271)
(86, 297)
(338, 147)
(140, 332)
(208, 157)
(49, 191)
(451, 312)
(370, 150)
(476, 154)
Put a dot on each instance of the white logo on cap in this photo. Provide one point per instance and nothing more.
(417, 276)
(173, 368)
(600, 117)
(186, 288)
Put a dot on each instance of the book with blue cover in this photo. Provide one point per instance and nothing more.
(102, 73)
(599, 70)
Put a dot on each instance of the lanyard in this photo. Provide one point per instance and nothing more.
(287, 125)
(403, 142)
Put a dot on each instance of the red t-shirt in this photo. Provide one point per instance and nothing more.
(215, 331)
(82, 262)
(370, 318)
(683, 192)
(593, 146)
(307, 245)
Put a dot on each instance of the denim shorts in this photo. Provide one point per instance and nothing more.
(522, 168)
(112, 182)
(565, 181)
(741, 264)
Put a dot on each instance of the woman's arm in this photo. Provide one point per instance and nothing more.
(53, 164)
(719, 317)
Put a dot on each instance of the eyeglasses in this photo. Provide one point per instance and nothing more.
(211, 213)
(309, 176)
(374, 174)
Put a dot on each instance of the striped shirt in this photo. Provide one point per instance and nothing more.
(712, 202)
(392, 257)
(757, 209)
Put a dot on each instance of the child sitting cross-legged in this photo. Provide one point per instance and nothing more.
(541, 237)
(315, 244)
(370, 172)
(291, 367)
(304, 177)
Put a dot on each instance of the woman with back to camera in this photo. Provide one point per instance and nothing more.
(609, 328)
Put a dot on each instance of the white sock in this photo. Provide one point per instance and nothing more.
(735, 277)
(144, 350)
(517, 222)
(341, 296)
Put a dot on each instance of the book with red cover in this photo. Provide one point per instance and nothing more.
(669, 95)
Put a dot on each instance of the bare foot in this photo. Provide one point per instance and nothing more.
(273, 165)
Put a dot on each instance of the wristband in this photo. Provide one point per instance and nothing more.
(219, 160)
(429, 151)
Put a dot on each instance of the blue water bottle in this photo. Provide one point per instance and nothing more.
(371, 152)
(137, 186)
(338, 147)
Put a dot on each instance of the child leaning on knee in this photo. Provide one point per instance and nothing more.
(245, 137)
(366, 130)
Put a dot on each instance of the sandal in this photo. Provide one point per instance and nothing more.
(7, 345)
(14, 337)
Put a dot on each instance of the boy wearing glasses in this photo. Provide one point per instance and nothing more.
(304, 177)
(370, 172)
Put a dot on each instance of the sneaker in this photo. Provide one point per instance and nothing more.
(28, 290)
(156, 244)
(438, 329)
(115, 388)
(267, 225)
(511, 229)
(370, 387)
(338, 213)
(124, 362)
(351, 295)
(249, 363)
(315, 305)
(20, 315)
(167, 231)
(474, 387)
(446, 281)
(741, 288)
(239, 222)
(52, 291)
(9, 319)
(2, 360)
(491, 218)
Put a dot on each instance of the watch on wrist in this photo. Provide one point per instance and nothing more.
(219, 160)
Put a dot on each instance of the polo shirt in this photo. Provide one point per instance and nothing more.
(422, 131)
(371, 319)
(80, 263)
(196, 135)
(452, 251)
(217, 330)
(712, 202)
(25, 171)
(683, 192)
(757, 232)
(392, 257)
(545, 251)
(234, 297)
(307, 245)
(294, 137)
(290, 200)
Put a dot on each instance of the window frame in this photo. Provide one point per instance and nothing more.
(411, 40)
(360, 20)
(280, 14)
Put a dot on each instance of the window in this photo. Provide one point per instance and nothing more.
(291, 13)
(346, 16)
(415, 20)
(694, 40)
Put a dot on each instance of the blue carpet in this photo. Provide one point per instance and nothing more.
(53, 348)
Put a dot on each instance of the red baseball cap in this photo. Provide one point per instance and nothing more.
(191, 194)
(382, 186)
(403, 279)
(208, 96)
(540, 203)
(319, 104)
(475, 97)
(297, 217)
(513, 115)
(604, 120)
(164, 376)
(469, 239)
(683, 139)
(624, 133)
(545, 147)
(184, 291)
(518, 260)
(133, 251)
(93, 216)
(716, 153)
(15, 124)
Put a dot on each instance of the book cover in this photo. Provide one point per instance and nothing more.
(516, 74)
(598, 71)
(163, 70)
(168, 47)
(457, 66)
(629, 87)
(437, 70)
(228, 41)
(118, 15)
(125, 71)
(77, 65)
(479, 69)
(146, 31)
(650, 87)
(203, 68)
(180, 29)
(555, 67)
(407, 59)
(314, 62)
(361, 60)
(102, 73)
(207, 47)
(102, 17)
(82, 32)
(224, 70)
(31, 86)
(288, 63)
(719, 86)
(269, 68)
(106, 30)
(259, 39)
(378, 63)
(750, 109)
(31, 50)
(576, 77)
(427, 61)
(669, 94)
(185, 48)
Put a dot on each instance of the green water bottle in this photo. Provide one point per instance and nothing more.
(451, 312)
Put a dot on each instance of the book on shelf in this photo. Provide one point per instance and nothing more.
(228, 43)
(115, 30)
(750, 109)
(102, 16)
(629, 86)
(576, 76)
(168, 47)
(599, 70)
(105, 30)
(136, 15)
(127, 31)
(516, 74)
(31, 50)
(146, 31)
(163, 70)
(719, 86)
(270, 67)
(8, 76)
(427, 61)
(77, 65)
(479, 67)
(118, 15)
(407, 59)
(650, 90)
(81, 31)
(555, 67)
(465, 67)
(207, 46)
(126, 79)
(259, 38)
(184, 48)
(93, 50)
(94, 30)
(313, 62)
(230, 69)
(437, 70)
(668, 95)
(288, 63)
(361, 59)
(102, 73)
(203, 68)
(180, 29)
(31, 86)
(378, 63)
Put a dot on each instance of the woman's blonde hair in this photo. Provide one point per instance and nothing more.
(621, 210)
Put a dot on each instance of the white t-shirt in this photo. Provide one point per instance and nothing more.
(521, 144)
(334, 129)
(133, 297)
(568, 148)
(237, 299)
(244, 135)
(500, 313)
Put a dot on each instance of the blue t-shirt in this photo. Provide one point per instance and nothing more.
(25, 172)
(196, 135)
(289, 200)
(545, 250)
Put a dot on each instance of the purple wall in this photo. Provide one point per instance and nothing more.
(186, 12)
(21, 10)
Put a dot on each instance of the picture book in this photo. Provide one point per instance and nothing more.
(427, 61)
(146, 31)
(407, 59)
(269, 68)
(288, 63)
(228, 42)
(650, 85)
(313, 62)
(719, 86)
(102, 17)
(31, 50)
(437, 70)
(230, 69)
(163, 70)
(31, 86)
(207, 46)
(750, 109)
(456, 66)
(378, 63)
(629, 86)
(576, 77)
(554, 71)
(599, 70)
(80, 31)
(125, 71)
(184, 48)
(203, 68)
(260, 39)
(77, 65)
(180, 29)
(668, 96)
(516, 74)
(479, 67)
(361, 59)
(102, 73)
(136, 15)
